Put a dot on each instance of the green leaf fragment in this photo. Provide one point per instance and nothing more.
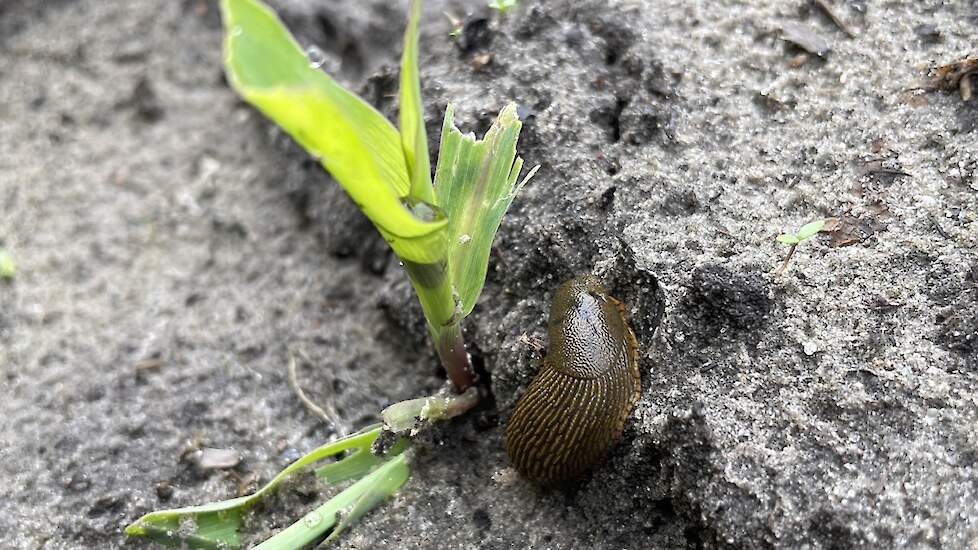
(788, 238)
(810, 229)
(219, 524)
(8, 269)
(475, 182)
(355, 143)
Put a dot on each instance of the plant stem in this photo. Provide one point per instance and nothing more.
(451, 350)
(784, 265)
(434, 289)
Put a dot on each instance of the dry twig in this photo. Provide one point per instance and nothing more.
(327, 414)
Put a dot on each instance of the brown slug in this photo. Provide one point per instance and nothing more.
(575, 408)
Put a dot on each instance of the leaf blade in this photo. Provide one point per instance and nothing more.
(355, 143)
(378, 487)
(414, 138)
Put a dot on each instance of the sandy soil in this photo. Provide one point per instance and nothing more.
(172, 247)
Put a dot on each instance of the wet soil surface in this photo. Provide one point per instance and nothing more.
(173, 248)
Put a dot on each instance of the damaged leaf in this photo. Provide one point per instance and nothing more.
(475, 182)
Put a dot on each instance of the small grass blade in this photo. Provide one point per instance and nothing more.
(362, 460)
(475, 182)
(218, 524)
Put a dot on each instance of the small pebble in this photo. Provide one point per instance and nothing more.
(215, 459)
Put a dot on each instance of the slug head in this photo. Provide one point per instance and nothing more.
(586, 329)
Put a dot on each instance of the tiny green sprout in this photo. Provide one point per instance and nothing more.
(503, 5)
(7, 266)
(794, 239)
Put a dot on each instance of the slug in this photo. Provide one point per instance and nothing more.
(575, 407)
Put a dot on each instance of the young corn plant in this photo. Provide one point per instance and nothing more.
(442, 232)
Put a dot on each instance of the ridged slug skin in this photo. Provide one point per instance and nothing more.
(575, 408)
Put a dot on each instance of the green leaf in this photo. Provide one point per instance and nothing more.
(475, 182)
(376, 488)
(414, 139)
(355, 465)
(343, 509)
(355, 143)
(788, 238)
(218, 524)
(8, 269)
(503, 5)
(810, 229)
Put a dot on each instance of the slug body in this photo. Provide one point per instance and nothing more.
(575, 408)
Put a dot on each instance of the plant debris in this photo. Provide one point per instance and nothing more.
(327, 413)
(215, 459)
(481, 60)
(151, 363)
(847, 230)
(805, 38)
(959, 75)
(883, 169)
